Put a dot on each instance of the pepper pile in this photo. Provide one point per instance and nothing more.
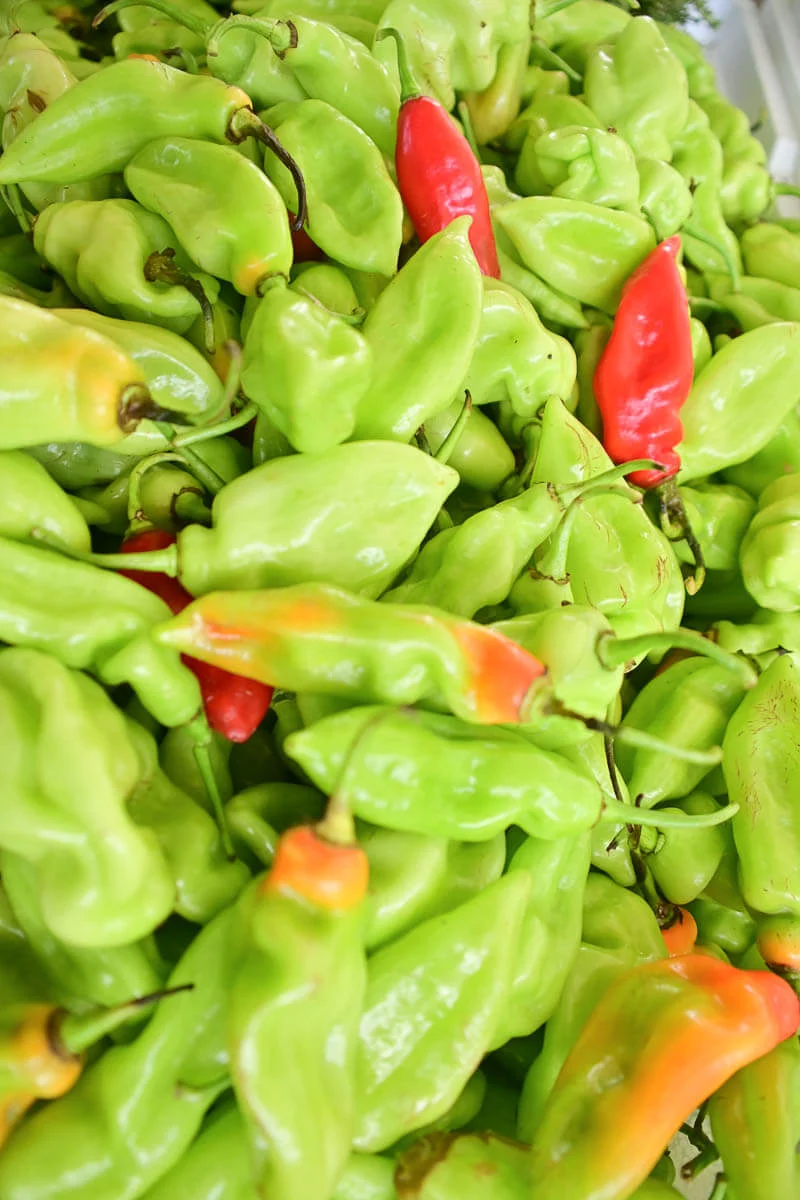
(399, 608)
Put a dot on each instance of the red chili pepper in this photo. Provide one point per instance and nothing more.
(235, 706)
(645, 373)
(438, 175)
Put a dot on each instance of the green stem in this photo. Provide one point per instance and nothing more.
(162, 268)
(12, 196)
(244, 124)
(449, 444)
(720, 1189)
(675, 518)
(786, 189)
(243, 417)
(721, 249)
(165, 561)
(469, 130)
(201, 735)
(707, 1156)
(337, 825)
(664, 818)
(409, 89)
(189, 508)
(646, 741)
(705, 304)
(615, 652)
(545, 55)
(205, 474)
(177, 14)
(612, 475)
(135, 512)
(281, 35)
(72, 1033)
(254, 832)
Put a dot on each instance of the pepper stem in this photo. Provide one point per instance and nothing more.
(161, 268)
(449, 444)
(244, 124)
(722, 251)
(174, 11)
(664, 818)
(200, 733)
(337, 825)
(464, 117)
(637, 737)
(165, 561)
(675, 518)
(614, 652)
(545, 55)
(612, 475)
(243, 417)
(136, 514)
(72, 1033)
(409, 89)
(786, 189)
(281, 35)
(135, 405)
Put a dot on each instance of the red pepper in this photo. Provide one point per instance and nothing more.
(235, 706)
(645, 373)
(438, 175)
(680, 935)
(305, 250)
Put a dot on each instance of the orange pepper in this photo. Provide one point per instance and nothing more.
(680, 936)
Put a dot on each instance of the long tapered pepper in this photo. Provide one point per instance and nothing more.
(235, 706)
(438, 175)
(663, 1038)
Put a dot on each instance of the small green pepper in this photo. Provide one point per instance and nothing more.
(591, 165)
(683, 862)
(772, 252)
(664, 196)
(355, 213)
(757, 302)
(769, 547)
(30, 499)
(577, 28)
(697, 153)
(422, 330)
(482, 457)
(305, 367)
(225, 213)
(780, 456)
(648, 107)
(719, 517)
(110, 251)
(585, 251)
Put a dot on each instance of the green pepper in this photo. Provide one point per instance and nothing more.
(684, 863)
(721, 914)
(583, 250)
(548, 113)
(32, 76)
(697, 153)
(746, 192)
(780, 456)
(454, 44)
(225, 213)
(306, 368)
(178, 378)
(442, 1166)
(302, 1010)
(74, 465)
(107, 882)
(329, 286)
(577, 28)
(481, 455)
(589, 560)
(664, 196)
(330, 66)
(355, 213)
(551, 931)
(767, 551)
(719, 517)
(78, 975)
(757, 302)
(702, 351)
(30, 499)
(591, 165)
(708, 243)
(772, 252)
(755, 1123)
(110, 252)
(689, 705)
(648, 107)
(63, 384)
(739, 400)
(492, 110)
(445, 982)
(620, 930)
(515, 357)
(692, 55)
(101, 623)
(118, 111)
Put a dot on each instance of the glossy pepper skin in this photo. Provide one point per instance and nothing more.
(680, 1028)
(437, 172)
(104, 249)
(592, 165)
(177, 376)
(645, 373)
(759, 761)
(739, 400)
(193, 186)
(287, 636)
(755, 1119)
(294, 1009)
(102, 624)
(446, 981)
(422, 330)
(772, 252)
(107, 883)
(355, 213)
(305, 368)
(767, 554)
(62, 384)
(235, 707)
(30, 499)
(114, 114)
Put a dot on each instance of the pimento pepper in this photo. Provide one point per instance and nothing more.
(438, 175)
(235, 706)
(644, 377)
(662, 1038)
